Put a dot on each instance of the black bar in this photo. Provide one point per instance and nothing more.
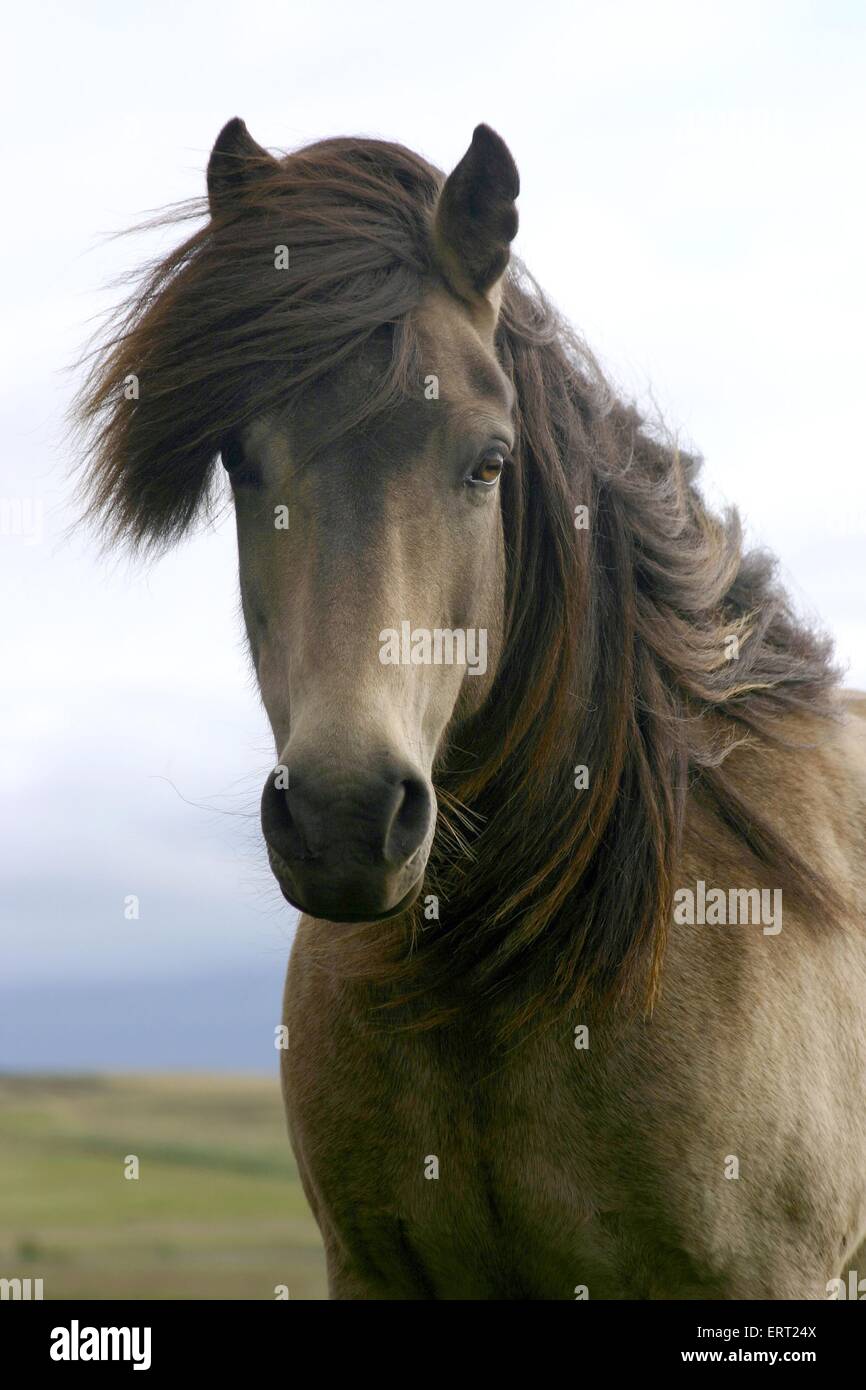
(258, 1337)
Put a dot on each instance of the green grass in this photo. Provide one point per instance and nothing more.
(217, 1211)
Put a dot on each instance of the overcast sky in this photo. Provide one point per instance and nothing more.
(692, 197)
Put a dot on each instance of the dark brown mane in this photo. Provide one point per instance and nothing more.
(217, 339)
(617, 662)
(615, 656)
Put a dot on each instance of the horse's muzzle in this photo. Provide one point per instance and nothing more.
(348, 847)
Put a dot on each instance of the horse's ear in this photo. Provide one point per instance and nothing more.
(476, 220)
(235, 162)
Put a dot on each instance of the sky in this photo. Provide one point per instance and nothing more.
(692, 198)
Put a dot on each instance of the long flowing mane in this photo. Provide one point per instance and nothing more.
(615, 656)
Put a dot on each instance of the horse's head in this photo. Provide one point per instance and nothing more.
(545, 634)
(371, 553)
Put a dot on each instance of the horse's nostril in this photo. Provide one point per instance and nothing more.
(286, 825)
(410, 822)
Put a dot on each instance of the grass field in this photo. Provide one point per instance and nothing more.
(217, 1211)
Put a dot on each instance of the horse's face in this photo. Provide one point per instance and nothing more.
(372, 578)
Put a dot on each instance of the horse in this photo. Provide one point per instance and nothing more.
(544, 1040)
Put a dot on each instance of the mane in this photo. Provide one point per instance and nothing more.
(216, 337)
(615, 654)
(617, 661)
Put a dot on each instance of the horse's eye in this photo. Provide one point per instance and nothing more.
(488, 467)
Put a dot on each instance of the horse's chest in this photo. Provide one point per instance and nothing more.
(476, 1198)
(447, 1177)
(440, 1167)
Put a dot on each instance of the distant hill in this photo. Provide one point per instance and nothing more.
(216, 1212)
(221, 1022)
